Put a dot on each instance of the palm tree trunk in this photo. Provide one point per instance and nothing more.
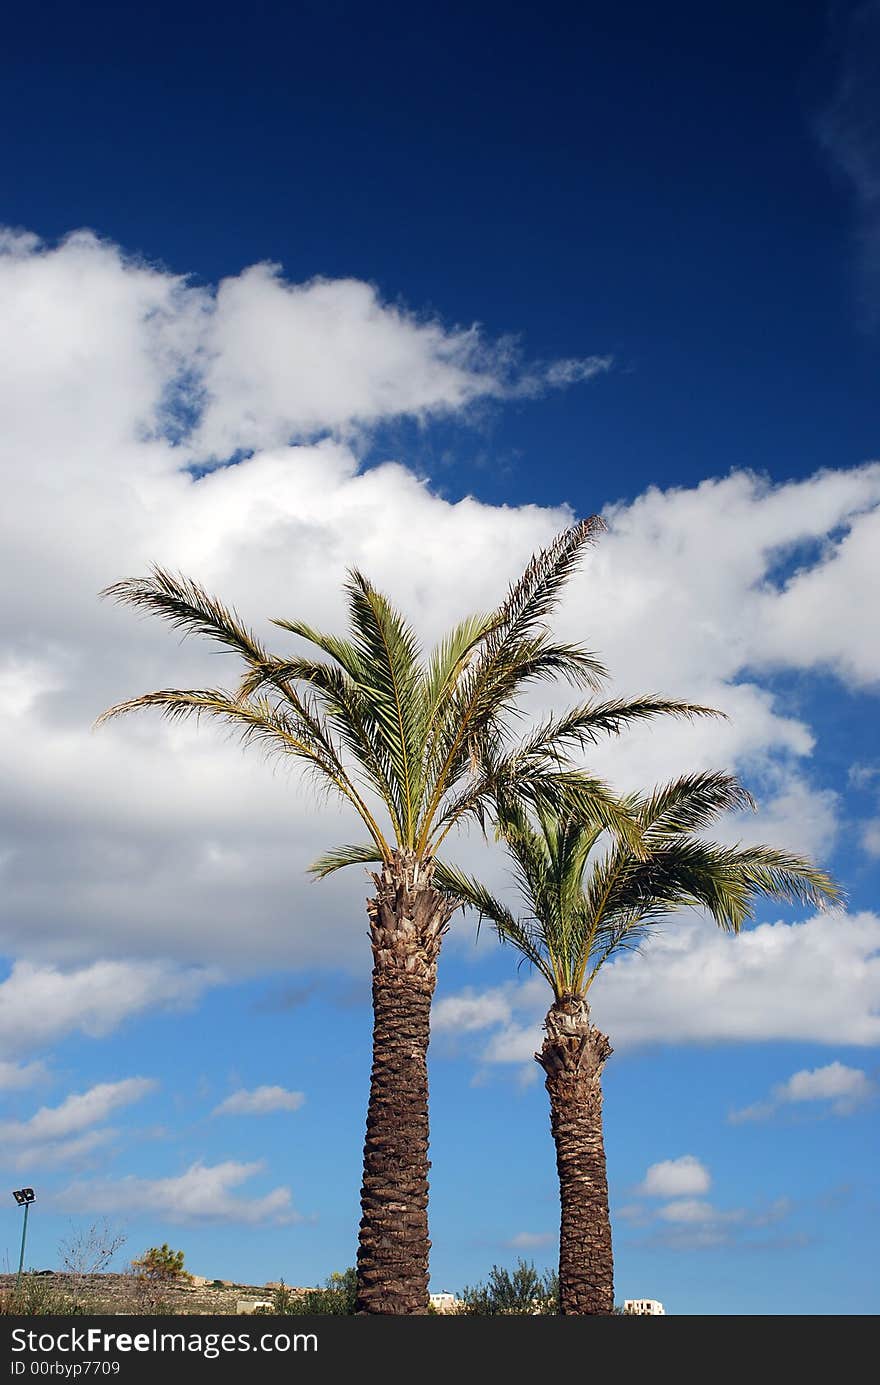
(408, 918)
(573, 1055)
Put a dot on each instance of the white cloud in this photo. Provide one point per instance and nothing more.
(818, 981)
(834, 1082)
(260, 1102)
(16, 1075)
(40, 1004)
(871, 837)
(843, 1087)
(692, 1210)
(284, 362)
(144, 840)
(470, 1010)
(63, 1154)
(203, 1193)
(77, 1112)
(532, 1240)
(682, 1219)
(676, 1178)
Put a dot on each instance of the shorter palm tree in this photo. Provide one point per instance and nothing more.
(584, 907)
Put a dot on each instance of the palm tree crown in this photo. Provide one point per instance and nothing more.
(585, 905)
(415, 746)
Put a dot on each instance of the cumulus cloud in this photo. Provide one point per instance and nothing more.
(261, 1101)
(62, 1154)
(532, 1240)
(469, 1011)
(119, 384)
(66, 1135)
(817, 980)
(39, 1004)
(16, 1075)
(677, 1217)
(204, 1193)
(843, 1088)
(676, 1178)
(77, 1112)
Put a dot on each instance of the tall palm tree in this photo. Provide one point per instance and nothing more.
(415, 747)
(584, 906)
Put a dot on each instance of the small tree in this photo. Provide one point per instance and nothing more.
(89, 1250)
(162, 1265)
(336, 1298)
(525, 1291)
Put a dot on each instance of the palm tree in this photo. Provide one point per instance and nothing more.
(585, 906)
(415, 747)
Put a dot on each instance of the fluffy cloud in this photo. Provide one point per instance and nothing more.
(119, 383)
(16, 1075)
(532, 1240)
(684, 1220)
(62, 1154)
(469, 1011)
(260, 1102)
(39, 1004)
(203, 1193)
(844, 1088)
(818, 981)
(294, 361)
(676, 1178)
(77, 1112)
(65, 1135)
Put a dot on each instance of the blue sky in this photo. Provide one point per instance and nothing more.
(622, 262)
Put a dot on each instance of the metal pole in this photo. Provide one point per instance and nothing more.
(23, 1239)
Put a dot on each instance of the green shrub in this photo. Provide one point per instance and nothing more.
(523, 1292)
(337, 1297)
(35, 1295)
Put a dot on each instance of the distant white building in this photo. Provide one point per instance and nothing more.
(444, 1303)
(644, 1306)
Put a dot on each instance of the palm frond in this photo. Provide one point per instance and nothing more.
(474, 895)
(585, 724)
(342, 856)
(692, 802)
(188, 607)
(785, 876)
(391, 682)
(341, 650)
(514, 651)
(258, 722)
(537, 592)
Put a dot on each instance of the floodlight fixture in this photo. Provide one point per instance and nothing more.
(24, 1197)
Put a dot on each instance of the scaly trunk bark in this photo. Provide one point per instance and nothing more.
(408, 918)
(573, 1055)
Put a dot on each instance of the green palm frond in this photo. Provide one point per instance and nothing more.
(474, 895)
(579, 912)
(259, 722)
(449, 659)
(782, 875)
(341, 650)
(692, 802)
(342, 856)
(537, 592)
(391, 660)
(188, 607)
(514, 651)
(585, 724)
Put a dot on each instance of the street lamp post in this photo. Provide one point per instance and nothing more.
(24, 1197)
